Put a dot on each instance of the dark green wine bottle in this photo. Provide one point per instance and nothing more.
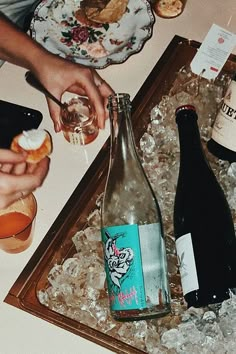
(203, 225)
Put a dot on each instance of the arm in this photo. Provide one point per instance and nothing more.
(56, 74)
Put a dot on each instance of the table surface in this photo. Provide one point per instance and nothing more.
(20, 332)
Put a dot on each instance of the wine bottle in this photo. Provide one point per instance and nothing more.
(223, 141)
(203, 225)
(132, 231)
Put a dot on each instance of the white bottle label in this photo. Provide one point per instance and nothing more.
(154, 264)
(187, 263)
(224, 130)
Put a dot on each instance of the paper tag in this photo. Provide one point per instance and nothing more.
(213, 52)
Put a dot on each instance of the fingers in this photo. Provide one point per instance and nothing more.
(80, 80)
(8, 156)
(15, 186)
(6, 200)
(104, 88)
(12, 162)
(19, 169)
(54, 111)
(16, 169)
(105, 91)
(6, 167)
(98, 103)
(97, 96)
(39, 171)
(11, 183)
(98, 91)
(9, 188)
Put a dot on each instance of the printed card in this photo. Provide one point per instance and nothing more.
(213, 52)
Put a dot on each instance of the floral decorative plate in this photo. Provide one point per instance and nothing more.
(58, 26)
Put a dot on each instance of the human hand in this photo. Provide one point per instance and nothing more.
(17, 177)
(59, 75)
(56, 74)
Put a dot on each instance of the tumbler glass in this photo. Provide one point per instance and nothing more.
(79, 121)
(17, 224)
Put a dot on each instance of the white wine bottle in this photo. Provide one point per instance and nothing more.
(132, 231)
(223, 141)
(203, 225)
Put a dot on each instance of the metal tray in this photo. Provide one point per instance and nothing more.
(57, 244)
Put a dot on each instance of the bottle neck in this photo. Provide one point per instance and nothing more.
(190, 142)
(122, 139)
(127, 187)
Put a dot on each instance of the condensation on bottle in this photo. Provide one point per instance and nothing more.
(132, 230)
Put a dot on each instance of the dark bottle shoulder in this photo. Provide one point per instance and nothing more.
(203, 199)
(221, 151)
(209, 198)
(198, 182)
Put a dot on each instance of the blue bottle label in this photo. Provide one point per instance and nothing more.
(123, 265)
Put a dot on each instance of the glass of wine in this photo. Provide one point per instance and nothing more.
(79, 121)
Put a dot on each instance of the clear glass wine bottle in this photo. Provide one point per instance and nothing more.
(132, 231)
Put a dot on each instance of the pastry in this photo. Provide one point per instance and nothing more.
(103, 11)
(36, 142)
(80, 16)
(168, 8)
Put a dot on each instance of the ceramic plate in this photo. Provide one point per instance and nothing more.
(57, 25)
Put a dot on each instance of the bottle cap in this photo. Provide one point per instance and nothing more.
(185, 107)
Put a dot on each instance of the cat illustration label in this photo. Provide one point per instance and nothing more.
(123, 265)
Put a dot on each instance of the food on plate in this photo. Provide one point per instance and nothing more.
(80, 16)
(168, 8)
(36, 142)
(69, 33)
(104, 11)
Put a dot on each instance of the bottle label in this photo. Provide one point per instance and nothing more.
(224, 129)
(154, 264)
(134, 266)
(187, 264)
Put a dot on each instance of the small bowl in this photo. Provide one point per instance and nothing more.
(17, 224)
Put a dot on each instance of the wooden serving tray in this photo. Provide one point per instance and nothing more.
(57, 244)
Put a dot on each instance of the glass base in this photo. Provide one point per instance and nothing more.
(135, 315)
